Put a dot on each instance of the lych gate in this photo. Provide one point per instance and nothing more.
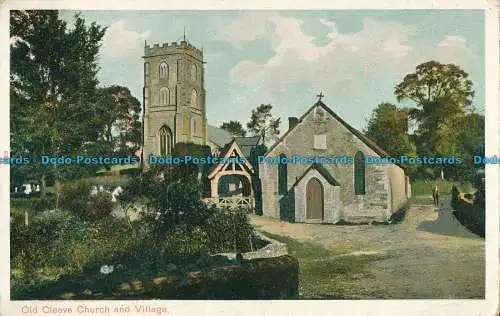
(231, 180)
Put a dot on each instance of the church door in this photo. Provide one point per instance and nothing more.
(314, 193)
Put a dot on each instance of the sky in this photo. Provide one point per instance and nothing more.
(285, 58)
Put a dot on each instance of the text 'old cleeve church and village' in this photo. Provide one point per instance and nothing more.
(175, 111)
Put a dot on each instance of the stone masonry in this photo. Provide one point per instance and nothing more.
(385, 185)
(174, 98)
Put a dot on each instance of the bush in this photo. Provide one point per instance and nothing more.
(471, 215)
(76, 198)
(100, 206)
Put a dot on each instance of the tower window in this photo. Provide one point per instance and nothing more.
(193, 126)
(194, 98)
(163, 70)
(164, 96)
(193, 72)
(146, 69)
(165, 136)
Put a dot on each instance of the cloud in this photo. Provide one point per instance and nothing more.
(452, 41)
(349, 62)
(250, 26)
(120, 41)
(299, 60)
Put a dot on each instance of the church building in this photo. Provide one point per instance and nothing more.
(329, 192)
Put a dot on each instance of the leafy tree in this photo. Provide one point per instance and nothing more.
(53, 83)
(119, 114)
(388, 127)
(442, 94)
(234, 127)
(445, 121)
(263, 124)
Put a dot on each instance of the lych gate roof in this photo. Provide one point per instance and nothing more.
(230, 148)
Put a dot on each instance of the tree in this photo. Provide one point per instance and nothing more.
(263, 124)
(234, 127)
(388, 127)
(118, 113)
(53, 84)
(445, 121)
(442, 94)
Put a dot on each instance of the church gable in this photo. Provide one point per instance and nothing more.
(318, 131)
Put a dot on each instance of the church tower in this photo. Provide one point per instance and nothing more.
(173, 97)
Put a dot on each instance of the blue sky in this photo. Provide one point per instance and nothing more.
(286, 58)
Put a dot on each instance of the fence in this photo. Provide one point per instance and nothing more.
(232, 202)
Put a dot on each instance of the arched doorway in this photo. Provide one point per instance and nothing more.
(314, 196)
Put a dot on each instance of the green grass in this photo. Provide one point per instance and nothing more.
(425, 187)
(324, 274)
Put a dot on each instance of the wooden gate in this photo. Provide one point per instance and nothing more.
(314, 206)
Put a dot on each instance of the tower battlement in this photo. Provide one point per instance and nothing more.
(173, 47)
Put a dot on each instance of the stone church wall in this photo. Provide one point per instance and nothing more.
(374, 205)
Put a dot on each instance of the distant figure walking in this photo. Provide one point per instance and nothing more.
(435, 195)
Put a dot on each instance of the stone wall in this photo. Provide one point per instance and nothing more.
(399, 186)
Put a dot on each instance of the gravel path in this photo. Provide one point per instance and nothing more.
(429, 254)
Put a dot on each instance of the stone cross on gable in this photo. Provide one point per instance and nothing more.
(320, 96)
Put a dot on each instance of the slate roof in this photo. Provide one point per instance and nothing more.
(322, 170)
(354, 131)
(246, 144)
(218, 135)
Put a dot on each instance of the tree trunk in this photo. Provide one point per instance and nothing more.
(58, 192)
(42, 186)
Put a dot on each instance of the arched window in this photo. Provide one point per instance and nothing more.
(164, 96)
(163, 70)
(194, 98)
(165, 136)
(193, 72)
(282, 175)
(193, 126)
(359, 173)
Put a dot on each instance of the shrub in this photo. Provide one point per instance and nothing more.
(100, 206)
(470, 214)
(230, 231)
(76, 198)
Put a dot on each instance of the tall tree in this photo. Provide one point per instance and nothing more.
(263, 124)
(53, 84)
(118, 112)
(442, 94)
(388, 127)
(234, 127)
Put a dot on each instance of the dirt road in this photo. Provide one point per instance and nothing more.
(428, 255)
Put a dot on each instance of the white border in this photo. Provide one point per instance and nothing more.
(363, 307)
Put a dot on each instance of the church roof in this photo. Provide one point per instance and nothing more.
(354, 131)
(322, 170)
(218, 136)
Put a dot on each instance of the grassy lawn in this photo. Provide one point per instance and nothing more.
(326, 273)
(425, 187)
